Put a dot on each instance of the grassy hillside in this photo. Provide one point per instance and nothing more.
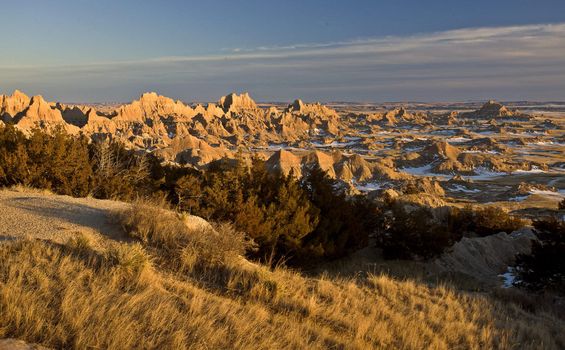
(181, 287)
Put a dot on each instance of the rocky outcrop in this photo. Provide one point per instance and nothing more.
(485, 258)
(151, 107)
(348, 168)
(490, 110)
(234, 103)
(285, 162)
(192, 150)
(11, 106)
(41, 114)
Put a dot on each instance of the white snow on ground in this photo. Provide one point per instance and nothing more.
(534, 170)
(443, 132)
(508, 277)
(461, 188)
(369, 186)
(534, 133)
(458, 140)
(279, 146)
(480, 151)
(426, 170)
(558, 194)
(334, 144)
(485, 174)
(422, 171)
(413, 149)
(518, 199)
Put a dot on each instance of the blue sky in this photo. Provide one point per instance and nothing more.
(277, 50)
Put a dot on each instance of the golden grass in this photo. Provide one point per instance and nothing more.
(69, 296)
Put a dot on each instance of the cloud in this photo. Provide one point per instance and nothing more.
(439, 65)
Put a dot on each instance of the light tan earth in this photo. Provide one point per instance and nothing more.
(40, 215)
(15, 344)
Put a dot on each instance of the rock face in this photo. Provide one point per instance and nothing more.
(479, 155)
(486, 257)
(179, 132)
(237, 103)
(285, 162)
(151, 106)
(356, 146)
(10, 106)
(348, 168)
(28, 113)
(491, 109)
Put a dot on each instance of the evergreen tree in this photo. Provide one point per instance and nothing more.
(544, 268)
(14, 159)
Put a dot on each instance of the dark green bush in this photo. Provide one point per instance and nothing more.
(345, 223)
(426, 233)
(60, 162)
(544, 268)
(14, 159)
(57, 161)
(271, 208)
(119, 173)
(67, 164)
(484, 221)
(415, 234)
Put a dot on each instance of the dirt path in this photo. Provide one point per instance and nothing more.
(34, 214)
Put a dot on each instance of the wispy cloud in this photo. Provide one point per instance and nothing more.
(432, 65)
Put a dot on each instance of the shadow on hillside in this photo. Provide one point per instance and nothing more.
(84, 215)
(370, 260)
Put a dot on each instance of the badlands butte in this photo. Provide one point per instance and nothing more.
(434, 154)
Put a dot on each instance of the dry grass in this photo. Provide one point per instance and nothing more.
(28, 189)
(132, 296)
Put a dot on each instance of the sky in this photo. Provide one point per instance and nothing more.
(365, 51)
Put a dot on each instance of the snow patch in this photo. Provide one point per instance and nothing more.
(369, 186)
(508, 277)
(533, 170)
(458, 140)
(461, 188)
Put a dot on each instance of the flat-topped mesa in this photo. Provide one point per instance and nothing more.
(237, 103)
(150, 105)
